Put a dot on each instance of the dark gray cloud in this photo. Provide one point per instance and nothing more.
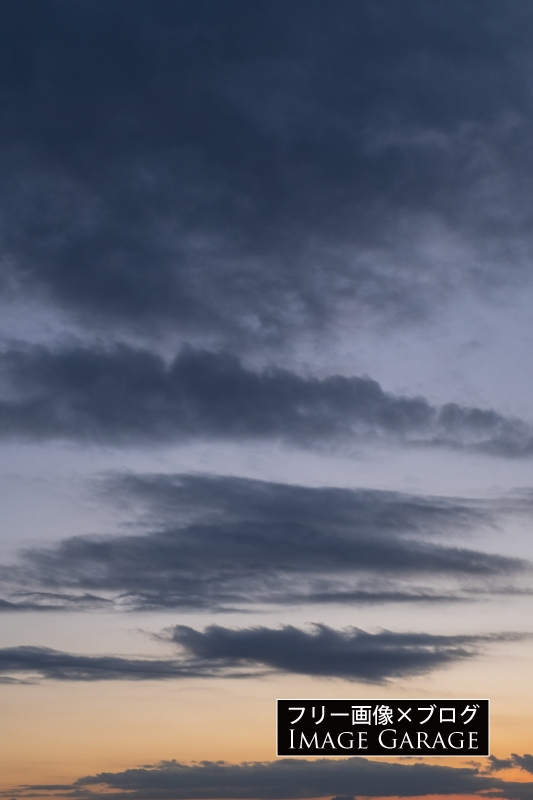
(499, 764)
(218, 652)
(525, 762)
(52, 601)
(62, 601)
(125, 395)
(223, 168)
(220, 542)
(351, 653)
(286, 779)
(35, 663)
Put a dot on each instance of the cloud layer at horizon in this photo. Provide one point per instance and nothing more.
(286, 779)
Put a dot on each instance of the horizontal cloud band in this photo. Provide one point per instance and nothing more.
(220, 542)
(351, 654)
(124, 394)
(287, 779)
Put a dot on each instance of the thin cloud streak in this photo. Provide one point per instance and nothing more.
(43, 663)
(52, 601)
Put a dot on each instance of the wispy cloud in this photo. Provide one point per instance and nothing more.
(31, 664)
(220, 542)
(218, 652)
(53, 601)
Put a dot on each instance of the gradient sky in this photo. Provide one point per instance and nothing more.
(265, 410)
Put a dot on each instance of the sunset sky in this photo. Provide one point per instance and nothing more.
(266, 421)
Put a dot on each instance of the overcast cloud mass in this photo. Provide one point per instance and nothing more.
(222, 169)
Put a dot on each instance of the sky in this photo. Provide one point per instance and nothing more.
(265, 389)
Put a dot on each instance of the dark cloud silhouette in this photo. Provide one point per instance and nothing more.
(220, 542)
(285, 779)
(125, 395)
(525, 762)
(352, 654)
(499, 764)
(227, 168)
(218, 652)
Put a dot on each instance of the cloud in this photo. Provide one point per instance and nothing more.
(499, 764)
(127, 395)
(36, 663)
(62, 601)
(236, 169)
(222, 542)
(52, 601)
(525, 762)
(350, 654)
(287, 779)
